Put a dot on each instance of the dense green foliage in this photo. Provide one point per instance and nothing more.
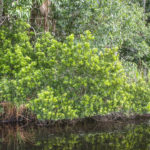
(120, 23)
(81, 81)
(69, 73)
(65, 80)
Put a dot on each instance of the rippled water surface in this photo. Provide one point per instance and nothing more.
(109, 137)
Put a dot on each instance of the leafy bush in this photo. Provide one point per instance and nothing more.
(139, 92)
(65, 80)
(15, 49)
(19, 76)
(15, 54)
(81, 81)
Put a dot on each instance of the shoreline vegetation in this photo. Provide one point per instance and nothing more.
(28, 119)
(67, 82)
(61, 75)
(24, 117)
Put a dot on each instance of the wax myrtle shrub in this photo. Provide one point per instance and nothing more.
(78, 80)
(15, 49)
(18, 76)
(65, 80)
(139, 97)
(138, 88)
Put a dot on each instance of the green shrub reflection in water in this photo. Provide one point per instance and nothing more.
(130, 137)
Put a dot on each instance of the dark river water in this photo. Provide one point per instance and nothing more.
(104, 137)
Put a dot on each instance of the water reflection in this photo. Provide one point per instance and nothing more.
(13, 137)
(118, 137)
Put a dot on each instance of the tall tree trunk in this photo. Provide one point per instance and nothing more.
(1, 12)
(1, 8)
(144, 5)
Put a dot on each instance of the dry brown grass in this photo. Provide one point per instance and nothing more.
(11, 113)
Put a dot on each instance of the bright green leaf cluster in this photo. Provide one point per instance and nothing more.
(66, 80)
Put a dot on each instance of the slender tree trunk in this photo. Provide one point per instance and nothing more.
(144, 5)
(1, 12)
(1, 8)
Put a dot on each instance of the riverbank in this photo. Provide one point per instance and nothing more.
(24, 116)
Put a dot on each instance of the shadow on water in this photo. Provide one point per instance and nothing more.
(116, 136)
